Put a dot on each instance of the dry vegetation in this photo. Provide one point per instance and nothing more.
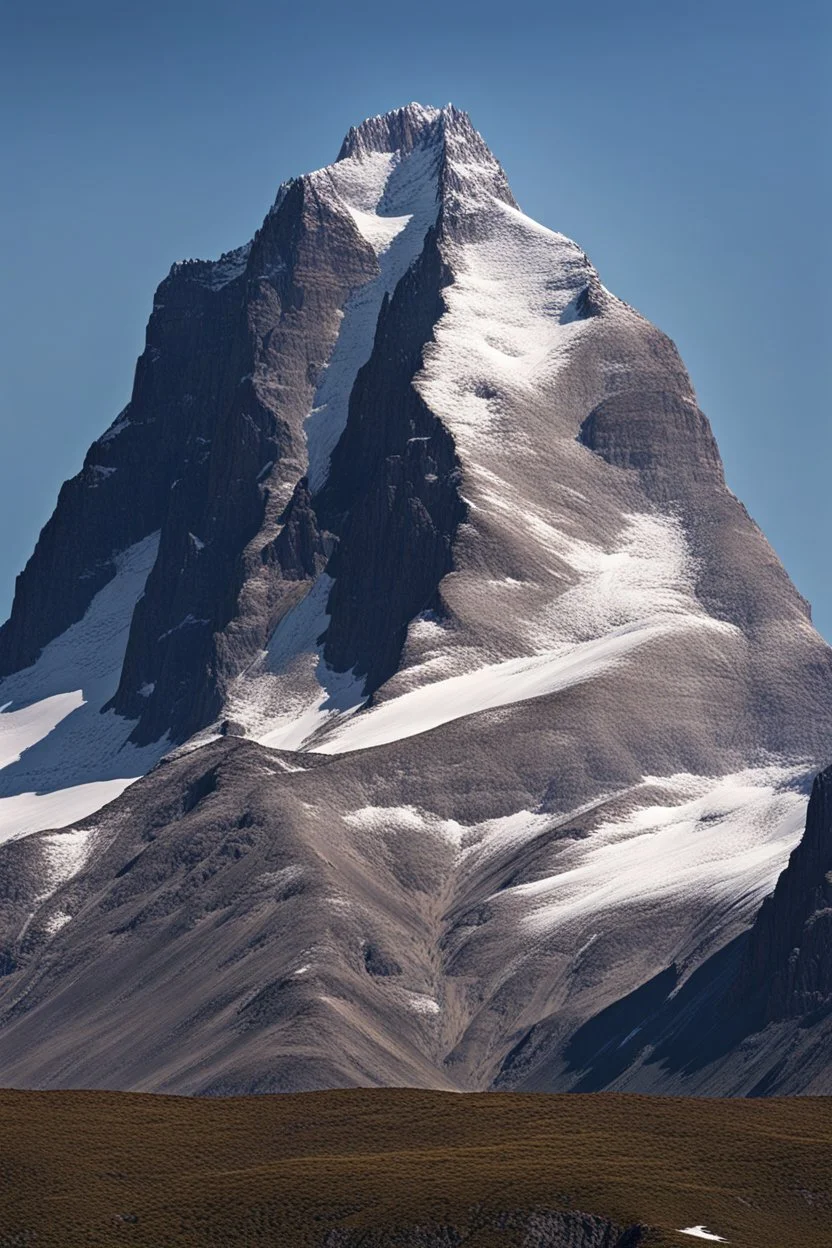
(102, 1168)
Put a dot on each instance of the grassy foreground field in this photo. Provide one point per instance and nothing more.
(109, 1168)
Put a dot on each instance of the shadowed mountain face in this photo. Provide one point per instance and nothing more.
(486, 706)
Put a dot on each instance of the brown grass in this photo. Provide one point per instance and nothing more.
(282, 1170)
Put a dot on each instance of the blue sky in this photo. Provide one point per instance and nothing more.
(684, 145)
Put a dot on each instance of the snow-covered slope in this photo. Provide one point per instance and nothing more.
(60, 757)
(408, 499)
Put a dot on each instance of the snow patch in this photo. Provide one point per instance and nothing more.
(21, 729)
(118, 426)
(284, 765)
(422, 1003)
(406, 819)
(496, 685)
(31, 811)
(721, 839)
(190, 621)
(501, 333)
(290, 693)
(65, 853)
(699, 1232)
(60, 758)
(56, 921)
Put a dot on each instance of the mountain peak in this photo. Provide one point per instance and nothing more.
(469, 166)
(399, 130)
(405, 498)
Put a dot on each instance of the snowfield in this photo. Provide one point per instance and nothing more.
(32, 812)
(722, 839)
(485, 689)
(503, 338)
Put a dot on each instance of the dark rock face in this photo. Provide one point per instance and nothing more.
(536, 1229)
(787, 965)
(191, 631)
(135, 474)
(593, 300)
(393, 492)
(299, 549)
(398, 130)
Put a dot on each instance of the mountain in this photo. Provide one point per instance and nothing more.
(470, 703)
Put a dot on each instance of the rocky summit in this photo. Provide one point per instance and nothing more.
(398, 694)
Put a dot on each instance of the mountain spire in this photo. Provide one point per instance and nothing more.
(399, 130)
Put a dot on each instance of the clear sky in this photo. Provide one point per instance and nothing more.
(685, 145)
